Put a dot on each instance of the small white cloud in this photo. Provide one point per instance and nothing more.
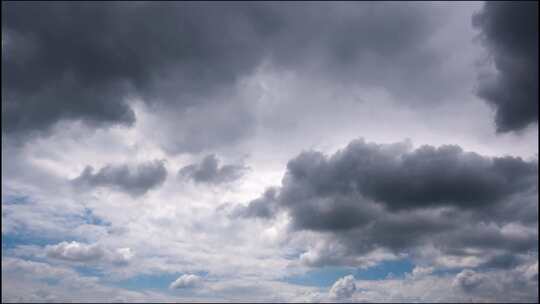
(186, 281)
(80, 252)
(343, 288)
(75, 251)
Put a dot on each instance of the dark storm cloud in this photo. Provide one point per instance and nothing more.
(209, 171)
(82, 61)
(510, 31)
(403, 179)
(370, 196)
(135, 181)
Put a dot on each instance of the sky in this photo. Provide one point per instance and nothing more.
(270, 151)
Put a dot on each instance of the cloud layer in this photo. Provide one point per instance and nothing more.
(256, 110)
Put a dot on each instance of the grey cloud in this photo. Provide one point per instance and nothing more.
(368, 197)
(209, 171)
(468, 280)
(403, 179)
(510, 31)
(83, 61)
(135, 181)
(263, 207)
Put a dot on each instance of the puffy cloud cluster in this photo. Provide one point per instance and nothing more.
(135, 181)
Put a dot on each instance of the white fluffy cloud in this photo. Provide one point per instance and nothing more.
(80, 252)
(343, 288)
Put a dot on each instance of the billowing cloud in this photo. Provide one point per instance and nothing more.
(354, 180)
(209, 171)
(135, 181)
(387, 196)
(186, 281)
(510, 32)
(343, 288)
(80, 252)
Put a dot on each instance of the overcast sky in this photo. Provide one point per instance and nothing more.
(292, 152)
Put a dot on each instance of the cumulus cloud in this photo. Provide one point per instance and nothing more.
(209, 171)
(510, 32)
(343, 288)
(80, 252)
(186, 281)
(367, 197)
(135, 181)
(75, 251)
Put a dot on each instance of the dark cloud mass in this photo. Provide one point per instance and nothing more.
(209, 171)
(510, 31)
(403, 179)
(83, 61)
(135, 181)
(371, 196)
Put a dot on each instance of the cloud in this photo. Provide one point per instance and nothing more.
(209, 171)
(186, 281)
(135, 181)
(80, 252)
(510, 32)
(349, 185)
(468, 280)
(343, 288)
(368, 197)
(31, 281)
(467, 286)
(85, 62)
(263, 207)
(75, 251)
